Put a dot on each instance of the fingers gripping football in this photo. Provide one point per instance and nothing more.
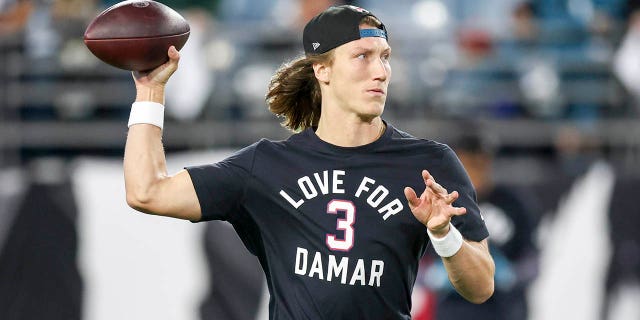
(160, 75)
(434, 207)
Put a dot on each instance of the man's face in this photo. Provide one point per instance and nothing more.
(359, 77)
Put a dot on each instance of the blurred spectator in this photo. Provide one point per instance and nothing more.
(475, 45)
(39, 276)
(41, 38)
(14, 15)
(237, 287)
(576, 150)
(74, 9)
(310, 8)
(194, 83)
(509, 217)
(524, 24)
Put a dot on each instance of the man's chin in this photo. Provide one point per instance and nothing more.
(377, 109)
(372, 113)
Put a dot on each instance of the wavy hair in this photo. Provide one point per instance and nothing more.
(294, 92)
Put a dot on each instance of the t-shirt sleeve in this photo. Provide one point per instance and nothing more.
(220, 186)
(455, 178)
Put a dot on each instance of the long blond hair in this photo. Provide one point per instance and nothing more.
(294, 92)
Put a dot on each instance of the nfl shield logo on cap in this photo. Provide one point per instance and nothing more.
(361, 10)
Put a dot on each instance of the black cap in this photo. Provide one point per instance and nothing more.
(335, 27)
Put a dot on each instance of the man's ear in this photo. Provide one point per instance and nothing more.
(322, 72)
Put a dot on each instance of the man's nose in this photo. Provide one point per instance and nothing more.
(380, 69)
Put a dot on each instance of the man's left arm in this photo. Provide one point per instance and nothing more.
(468, 263)
(471, 271)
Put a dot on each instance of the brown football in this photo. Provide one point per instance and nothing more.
(136, 34)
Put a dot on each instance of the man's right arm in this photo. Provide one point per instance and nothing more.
(149, 188)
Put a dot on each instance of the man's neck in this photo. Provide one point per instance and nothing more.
(350, 132)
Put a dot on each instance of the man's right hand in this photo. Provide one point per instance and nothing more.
(150, 84)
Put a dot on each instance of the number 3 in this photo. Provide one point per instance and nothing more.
(345, 224)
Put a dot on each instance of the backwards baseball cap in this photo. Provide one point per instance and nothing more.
(335, 27)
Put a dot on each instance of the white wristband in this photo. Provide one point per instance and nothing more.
(449, 244)
(147, 112)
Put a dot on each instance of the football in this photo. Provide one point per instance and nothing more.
(135, 35)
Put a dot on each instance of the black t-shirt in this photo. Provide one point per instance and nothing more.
(330, 225)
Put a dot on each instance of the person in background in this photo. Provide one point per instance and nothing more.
(509, 216)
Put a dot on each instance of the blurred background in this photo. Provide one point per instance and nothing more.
(539, 99)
